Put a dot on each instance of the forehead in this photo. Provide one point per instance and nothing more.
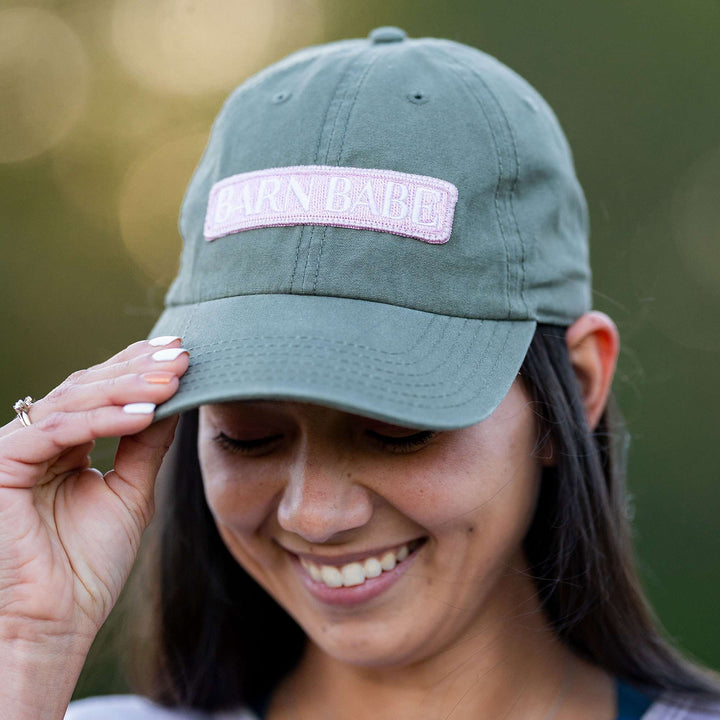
(263, 410)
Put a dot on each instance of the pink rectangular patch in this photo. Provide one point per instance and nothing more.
(415, 206)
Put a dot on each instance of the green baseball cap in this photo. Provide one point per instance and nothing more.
(377, 225)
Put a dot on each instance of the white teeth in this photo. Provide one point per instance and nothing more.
(388, 560)
(352, 574)
(314, 570)
(372, 567)
(356, 573)
(331, 576)
(315, 573)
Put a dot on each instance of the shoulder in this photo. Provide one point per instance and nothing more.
(133, 707)
(669, 707)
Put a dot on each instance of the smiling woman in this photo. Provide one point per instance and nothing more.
(337, 490)
(397, 488)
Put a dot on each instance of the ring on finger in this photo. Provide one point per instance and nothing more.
(22, 409)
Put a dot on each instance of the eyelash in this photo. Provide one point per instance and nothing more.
(244, 447)
(402, 444)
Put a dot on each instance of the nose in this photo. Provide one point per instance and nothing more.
(322, 499)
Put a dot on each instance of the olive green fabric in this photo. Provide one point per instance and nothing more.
(367, 321)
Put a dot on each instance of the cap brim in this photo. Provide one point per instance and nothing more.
(403, 366)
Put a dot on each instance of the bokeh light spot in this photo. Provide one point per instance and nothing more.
(188, 47)
(43, 82)
(667, 285)
(149, 204)
(696, 221)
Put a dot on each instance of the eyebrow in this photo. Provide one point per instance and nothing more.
(374, 422)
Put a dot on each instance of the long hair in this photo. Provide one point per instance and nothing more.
(579, 545)
(214, 639)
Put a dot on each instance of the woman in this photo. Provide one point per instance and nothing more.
(395, 490)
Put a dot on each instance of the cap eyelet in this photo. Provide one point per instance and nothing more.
(281, 97)
(418, 97)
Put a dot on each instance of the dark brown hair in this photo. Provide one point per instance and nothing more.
(214, 639)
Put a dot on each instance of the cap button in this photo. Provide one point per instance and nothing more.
(387, 34)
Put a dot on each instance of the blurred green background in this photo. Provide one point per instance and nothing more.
(104, 109)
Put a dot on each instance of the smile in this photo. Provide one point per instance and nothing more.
(359, 580)
(356, 573)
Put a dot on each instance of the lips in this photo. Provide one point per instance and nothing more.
(349, 579)
(346, 558)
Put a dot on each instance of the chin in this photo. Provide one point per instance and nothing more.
(369, 648)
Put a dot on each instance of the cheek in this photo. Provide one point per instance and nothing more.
(480, 483)
(240, 509)
(237, 497)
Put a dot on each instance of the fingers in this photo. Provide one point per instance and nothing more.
(26, 455)
(114, 399)
(135, 358)
(137, 462)
(153, 386)
(137, 348)
(74, 458)
(144, 372)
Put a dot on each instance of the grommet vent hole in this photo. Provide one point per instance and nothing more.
(418, 97)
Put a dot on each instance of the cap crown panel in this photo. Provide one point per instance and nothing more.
(387, 129)
(518, 246)
(547, 207)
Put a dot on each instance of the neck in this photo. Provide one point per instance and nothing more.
(508, 665)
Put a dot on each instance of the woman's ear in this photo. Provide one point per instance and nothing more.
(593, 344)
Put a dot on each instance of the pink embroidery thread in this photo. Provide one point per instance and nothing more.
(414, 206)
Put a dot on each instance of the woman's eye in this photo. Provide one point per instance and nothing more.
(403, 443)
(246, 447)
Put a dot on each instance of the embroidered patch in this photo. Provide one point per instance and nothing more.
(415, 206)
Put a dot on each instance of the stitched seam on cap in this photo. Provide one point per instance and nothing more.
(303, 230)
(513, 186)
(383, 396)
(452, 60)
(190, 316)
(328, 343)
(498, 208)
(370, 356)
(343, 370)
(317, 152)
(231, 296)
(361, 81)
(345, 94)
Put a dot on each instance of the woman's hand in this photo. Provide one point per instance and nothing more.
(68, 533)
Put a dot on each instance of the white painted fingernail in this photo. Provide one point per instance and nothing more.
(168, 354)
(139, 408)
(163, 340)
